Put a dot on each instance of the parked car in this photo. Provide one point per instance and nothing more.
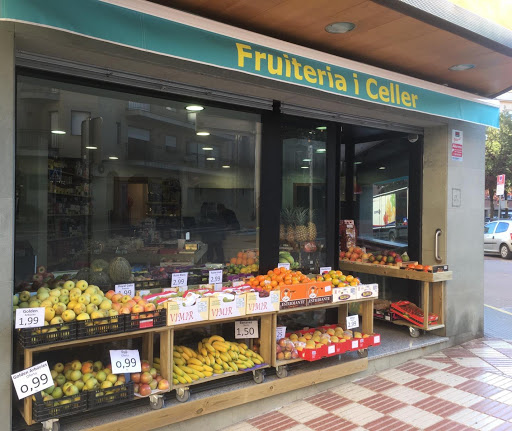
(498, 238)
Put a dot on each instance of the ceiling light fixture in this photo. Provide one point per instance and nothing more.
(357, 163)
(113, 157)
(321, 150)
(459, 67)
(306, 160)
(340, 27)
(304, 167)
(226, 166)
(194, 108)
(321, 128)
(91, 148)
(58, 132)
(382, 167)
(207, 149)
(203, 133)
(210, 158)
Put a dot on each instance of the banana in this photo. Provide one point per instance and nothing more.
(221, 347)
(194, 376)
(178, 370)
(199, 373)
(233, 365)
(225, 366)
(207, 368)
(179, 361)
(256, 361)
(182, 380)
(207, 360)
(175, 381)
(214, 338)
(179, 349)
(209, 347)
(174, 375)
(211, 358)
(258, 356)
(204, 351)
(189, 352)
(248, 353)
(157, 367)
(208, 373)
(194, 361)
(185, 356)
(233, 355)
(235, 347)
(225, 357)
(186, 369)
(242, 357)
(201, 359)
(221, 371)
(241, 349)
(199, 346)
(242, 366)
(216, 367)
(196, 367)
(187, 378)
(176, 354)
(243, 345)
(156, 360)
(217, 354)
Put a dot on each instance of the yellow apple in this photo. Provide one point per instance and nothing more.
(69, 284)
(59, 308)
(91, 308)
(97, 299)
(84, 299)
(79, 309)
(56, 321)
(68, 316)
(49, 313)
(106, 304)
(81, 284)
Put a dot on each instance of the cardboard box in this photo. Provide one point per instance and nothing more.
(304, 294)
(179, 313)
(342, 294)
(365, 291)
(222, 310)
(257, 305)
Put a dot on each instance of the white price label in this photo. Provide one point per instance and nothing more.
(325, 269)
(353, 321)
(29, 317)
(215, 276)
(331, 349)
(125, 289)
(217, 287)
(246, 329)
(32, 380)
(283, 265)
(179, 279)
(125, 361)
(355, 344)
(280, 332)
(376, 339)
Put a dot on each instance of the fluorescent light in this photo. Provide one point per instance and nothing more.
(382, 167)
(58, 132)
(194, 108)
(113, 157)
(91, 148)
(459, 67)
(203, 133)
(304, 167)
(357, 163)
(321, 150)
(226, 166)
(210, 158)
(340, 27)
(306, 160)
(321, 128)
(207, 149)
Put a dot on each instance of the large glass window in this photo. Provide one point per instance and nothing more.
(103, 174)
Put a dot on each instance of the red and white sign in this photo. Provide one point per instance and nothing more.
(457, 142)
(500, 185)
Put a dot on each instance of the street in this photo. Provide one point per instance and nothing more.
(498, 282)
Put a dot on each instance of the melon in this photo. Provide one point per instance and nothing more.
(83, 274)
(119, 270)
(99, 265)
(99, 278)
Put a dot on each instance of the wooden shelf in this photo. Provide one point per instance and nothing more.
(406, 323)
(389, 271)
(217, 377)
(321, 306)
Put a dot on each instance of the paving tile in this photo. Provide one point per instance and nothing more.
(496, 380)
(507, 352)
(416, 417)
(388, 423)
(458, 352)
(438, 406)
(241, 426)
(274, 421)
(494, 408)
(434, 363)
(354, 392)
(498, 344)
(474, 362)
(459, 397)
(405, 394)
(416, 369)
(475, 419)
(328, 400)
(478, 388)
(503, 396)
(427, 386)
(357, 413)
(330, 422)
(447, 378)
(382, 403)
(398, 376)
(302, 411)
(487, 352)
(505, 426)
(375, 383)
(448, 425)
(468, 372)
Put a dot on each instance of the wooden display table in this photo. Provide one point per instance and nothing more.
(432, 290)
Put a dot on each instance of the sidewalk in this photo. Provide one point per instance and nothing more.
(465, 387)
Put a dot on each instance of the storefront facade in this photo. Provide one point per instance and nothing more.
(101, 156)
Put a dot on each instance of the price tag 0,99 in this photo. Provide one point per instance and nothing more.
(352, 321)
(32, 380)
(215, 276)
(179, 279)
(246, 329)
(29, 318)
(125, 361)
(125, 289)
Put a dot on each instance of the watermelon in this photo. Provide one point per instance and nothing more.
(99, 278)
(83, 274)
(119, 270)
(99, 265)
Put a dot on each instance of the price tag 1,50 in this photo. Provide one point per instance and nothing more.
(125, 289)
(246, 329)
(179, 279)
(32, 380)
(29, 317)
(352, 321)
(125, 361)
(215, 276)
(283, 265)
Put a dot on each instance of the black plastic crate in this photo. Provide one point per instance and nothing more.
(153, 284)
(31, 337)
(110, 396)
(138, 321)
(101, 326)
(44, 410)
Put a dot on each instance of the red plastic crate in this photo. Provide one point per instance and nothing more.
(411, 312)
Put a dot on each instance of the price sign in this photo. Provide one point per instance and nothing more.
(352, 321)
(125, 289)
(29, 318)
(246, 329)
(32, 380)
(325, 269)
(215, 276)
(280, 332)
(125, 361)
(179, 279)
(144, 293)
(283, 265)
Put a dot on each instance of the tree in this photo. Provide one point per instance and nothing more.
(498, 155)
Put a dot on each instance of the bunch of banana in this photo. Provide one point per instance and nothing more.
(214, 355)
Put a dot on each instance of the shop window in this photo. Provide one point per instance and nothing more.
(127, 188)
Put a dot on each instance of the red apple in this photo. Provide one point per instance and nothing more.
(135, 377)
(150, 307)
(137, 308)
(145, 366)
(153, 384)
(158, 378)
(153, 372)
(146, 378)
(144, 390)
(110, 294)
(163, 385)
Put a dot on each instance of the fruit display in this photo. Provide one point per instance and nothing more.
(286, 257)
(386, 257)
(149, 381)
(278, 277)
(338, 279)
(297, 225)
(214, 355)
(246, 258)
(418, 267)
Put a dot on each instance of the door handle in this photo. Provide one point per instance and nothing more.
(436, 248)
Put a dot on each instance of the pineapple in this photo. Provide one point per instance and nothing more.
(312, 227)
(289, 218)
(301, 231)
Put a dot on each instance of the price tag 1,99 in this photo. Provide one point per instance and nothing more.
(179, 279)
(280, 332)
(32, 380)
(246, 329)
(352, 321)
(29, 317)
(215, 276)
(125, 289)
(125, 361)
(283, 265)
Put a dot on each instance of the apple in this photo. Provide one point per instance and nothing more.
(91, 308)
(69, 284)
(84, 299)
(15, 300)
(38, 277)
(60, 380)
(106, 384)
(106, 304)
(153, 384)
(113, 313)
(101, 376)
(153, 372)
(144, 390)
(150, 307)
(135, 377)
(83, 316)
(41, 269)
(24, 296)
(126, 298)
(80, 384)
(64, 299)
(68, 315)
(57, 320)
(49, 314)
(146, 377)
(97, 366)
(60, 308)
(76, 365)
(145, 366)
(136, 388)
(163, 385)
(91, 384)
(87, 367)
(137, 308)
(42, 296)
(110, 294)
(130, 304)
(79, 308)
(57, 393)
(86, 377)
(67, 375)
(125, 310)
(117, 306)
(59, 367)
(112, 378)
(117, 297)
(96, 299)
(75, 375)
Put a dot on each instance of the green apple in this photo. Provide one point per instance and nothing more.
(15, 300)
(24, 296)
(57, 393)
(75, 375)
(59, 367)
(69, 284)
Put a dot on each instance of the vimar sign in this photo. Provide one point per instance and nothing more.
(121, 25)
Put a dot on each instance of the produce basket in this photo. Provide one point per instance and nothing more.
(101, 326)
(325, 351)
(371, 340)
(152, 319)
(65, 406)
(31, 337)
(109, 397)
(412, 313)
